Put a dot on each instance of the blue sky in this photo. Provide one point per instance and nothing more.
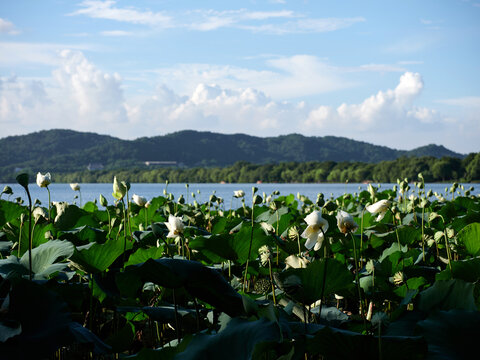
(397, 73)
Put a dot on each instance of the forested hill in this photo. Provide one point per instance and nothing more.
(67, 150)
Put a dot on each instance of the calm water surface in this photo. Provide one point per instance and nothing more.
(90, 192)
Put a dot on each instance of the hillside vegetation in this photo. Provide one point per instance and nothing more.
(63, 151)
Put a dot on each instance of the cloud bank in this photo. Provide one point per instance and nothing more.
(82, 97)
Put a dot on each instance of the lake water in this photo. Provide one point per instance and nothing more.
(63, 192)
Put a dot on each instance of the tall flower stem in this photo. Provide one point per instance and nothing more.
(49, 205)
(30, 245)
(357, 281)
(423, 235)
(361, 236)
(251, 241)
(271, 281)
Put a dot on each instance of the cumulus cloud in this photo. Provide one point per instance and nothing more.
(377, 111)
(82, 97)
(79, 96)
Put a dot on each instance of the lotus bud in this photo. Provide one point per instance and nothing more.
(119, 189)
(75, 187)
(7, 190)
(44, 180)
(139, 200)
(103, 201)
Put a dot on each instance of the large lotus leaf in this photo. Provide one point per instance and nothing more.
(461, 221)
(142, 255)
(214, 248)
(10, 212)
(200, 281)
(236, 342)
(321, 277)
(241, 242)
(448, 295)
(123, 338)
(470, 236)
(45, 323)
(218, 248)
(451, 334)
(408, 235)
(467, 270)
(43, 260)
(38, 235)
(84, 235)
(45, 255)
(8, 329)
(332, 343)
(467, 203)
(98, 257)
(165, 314)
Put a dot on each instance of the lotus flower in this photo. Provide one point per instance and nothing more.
(380, 208)
(75, 187)
(317, 226)
(345, 222)
(265, 254)
(44, 180)
(239, 193)
(175, 226)
(296, 262)
(139, 200)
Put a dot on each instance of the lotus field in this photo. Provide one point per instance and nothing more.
(390, 274)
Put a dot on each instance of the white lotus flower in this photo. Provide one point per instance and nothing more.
(175, 226)
(38, 212)
(380, 208)
(239, 193)
(317, 226)
(296, 262)
(345, 222)
(139, 200)
(44, 180)
(75, 187)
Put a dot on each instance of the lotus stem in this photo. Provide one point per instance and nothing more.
(177, 328)
(271, 281)
(251, 241)
(423, 234)
(49, 205)
(357, 280)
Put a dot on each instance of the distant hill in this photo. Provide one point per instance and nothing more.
(67, 150)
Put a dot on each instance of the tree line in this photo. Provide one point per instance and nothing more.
(445, 169)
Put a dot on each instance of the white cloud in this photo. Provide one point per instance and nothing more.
(209, 20)
(116, 33)
(82, 97)
(14, 53)
(6, 27)
(467, 102)
(107, 10)
(79, 96)
(378, 112)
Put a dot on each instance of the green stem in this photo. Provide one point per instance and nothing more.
(357, 280)
(49, 205)
(271, 281)
(250, 245)
(423, 235)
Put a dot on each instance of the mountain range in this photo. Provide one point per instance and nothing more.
(67, 150)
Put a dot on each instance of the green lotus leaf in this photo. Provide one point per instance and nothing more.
(98, 257)
(306, 285)
(470, 236)
(448, 295)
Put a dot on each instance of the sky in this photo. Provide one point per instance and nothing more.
(402, 73)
